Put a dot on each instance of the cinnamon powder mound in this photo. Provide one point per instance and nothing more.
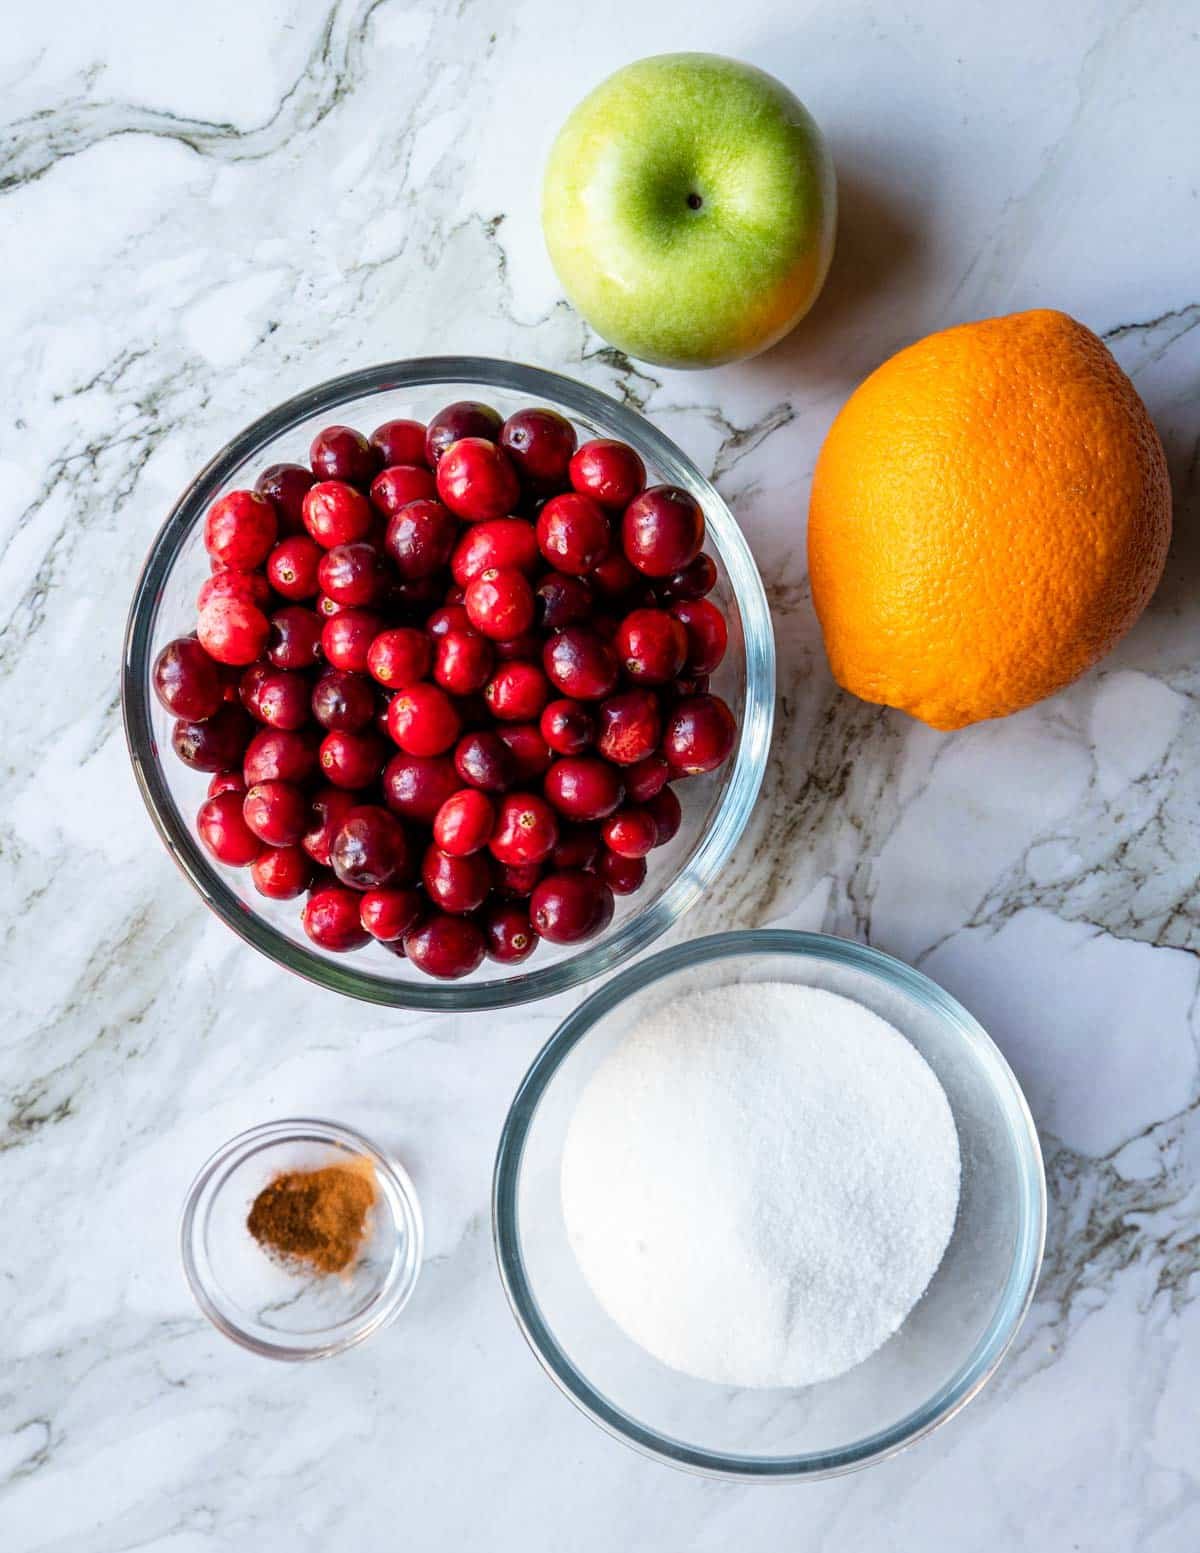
(315, 1217)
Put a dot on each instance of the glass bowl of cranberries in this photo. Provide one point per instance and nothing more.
(449, 683)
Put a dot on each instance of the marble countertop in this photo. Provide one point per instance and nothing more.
(205, 209)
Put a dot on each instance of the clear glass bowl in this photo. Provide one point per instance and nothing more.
(277, 1310)
(950, 1343)
(715, 808)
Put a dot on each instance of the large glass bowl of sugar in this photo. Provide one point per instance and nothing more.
(943, 1353)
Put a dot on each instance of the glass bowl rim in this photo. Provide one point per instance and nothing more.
(336, 1339)
(638, 930)
(988, 1351)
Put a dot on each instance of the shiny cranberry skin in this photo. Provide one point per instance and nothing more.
(463, 662)
(509, 934)
(399, 442)
(387, 914)
(277, 812)
(662, 530)
(499, 603)
(451, 617)
(646, 778)
(279, 755)
(215, 743)
(341, 453)
(530, 752)
(420, 539)
(526, 829)
(584, 788)
(227, 782)
(506, 544)
(423, 720)
(281, 873)
(562, 601)
(707, 634)
(395, 487)
(581, 664)
(416, 786)
(246, 587)
(517, 692)
(352, 760)
(343, 701)
(336, 514)
(630, 832)
(476, 480)
(568, 727)
(668, 816)
(694, 581)
(699, 735)
(485, 761)
(464, 823)
(515, 881)
(346, 639)
(573, 534)
(444, 946)
(464, 418)
(630, 726)
(328, 812)
(222, 828)
(277, 697)
(569, 906)
(652, 646)
(607, 471)
(331, 919)
(456, 884)
(285, 486)
(615, 580)
(240, 530)
(294, 641)
(370, 849)
(400, 657)
(292, 567)
(623, 875)
(232, 632)
(186, 680)
(578, 846)
(352, 574)
(540, 444)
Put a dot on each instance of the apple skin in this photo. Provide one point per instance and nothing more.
(662, 277)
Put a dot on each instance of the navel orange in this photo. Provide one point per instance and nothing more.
(990, 513)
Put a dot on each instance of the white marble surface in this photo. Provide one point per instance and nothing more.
(205, 208)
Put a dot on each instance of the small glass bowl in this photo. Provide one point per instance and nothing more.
(276, 1309)
(949, 1344)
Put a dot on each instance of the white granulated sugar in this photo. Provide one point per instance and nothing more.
(759, 1182)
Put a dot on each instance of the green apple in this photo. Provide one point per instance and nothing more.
(689, 208)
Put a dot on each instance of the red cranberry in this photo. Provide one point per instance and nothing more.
(352, 574)
(476, 480)
(609, 472)
(562, 601)
(526, 648)
(623, 875)
(223, 830)
(629, 727)
(246, 587)
(509, 934)
(568, 727)
(422, 720)
(707, 634)
(569, 906)
(416, 786)
(457, 884)
(294, 641)
(630, 832)
(341, 453)
(697, 578)
(505, 544)
(464, 418)
(451, 617)
(395, 487)
(388, 914)
(281, 873)
(232, 632)
(464, 822)
(668, 816)
(346, 639)
(277, 697)
(526, 829)
(279, 755)
(530, 752)
(573, 534)
(240, 529)
(331, 920)
(215, 743)
(400, 657)
(285, 486)
(343, 701)
(652, 646)
(186, 680)
(328, 813)
(699, 735)
(399, 442)
(540, 444)
(579, 846)
(226, 782)
(352, 760)
(485, 761)
(584, 788)
(292, 567)
(420, 539)
(662, 530)
(515, 881)
(517, 692)
(370, 849)
(336, 514)
(499, 603)
(615, 579)
(277, 812)
(444, 946)
(581, 664)
(646, 778)
(463, 662)
(327, 608)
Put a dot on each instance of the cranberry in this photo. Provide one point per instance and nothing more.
(485, 761)
(526, 648)
(420, 538)
(343, 701)
(416, 786)
(584, 788)
(232, 632)
(281, 873)
(246, 587)
(341, 453)
(395, 487)
(327, 608)
(509, 934)
(400, 657)
(699, 735)
(277, 813)
(464, 418)
(329, 810)
(630, 832)
(464, 822)
(652, 646)
(423, 721)
(457, 884)
(294, 641)
(186, 680)
(515, 881)
(336, 514)
(686, 685)
(569, 906)
(517, 692)
(215, 743)
(476, 480)
(224, 831)
(285, 486)
(573, 534)
(463, 662)
(540, 444)
(444, 946)
(707, 634)
(526, 829)
(352, 760)
(609, 472)
(568, 727)
(668, 816)
(279, 755)
(562, 601)
(692, 581)
(387, 914)
(662, 530)
(416, 595)
(530, 752)
(370, 849)
(399, 442)
(240, 529)
(623, 875)
(646, 778)
(614, 578)
(451, 617)
(292, 567)
(499, 603)
(579, 846)
(346, 639)
(277, 697)
(581, 664)
(352, 574)
(508, 544)
(630, 727)
(331, 919)
(227, 782)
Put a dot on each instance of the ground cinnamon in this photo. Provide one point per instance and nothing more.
(315, 1217)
